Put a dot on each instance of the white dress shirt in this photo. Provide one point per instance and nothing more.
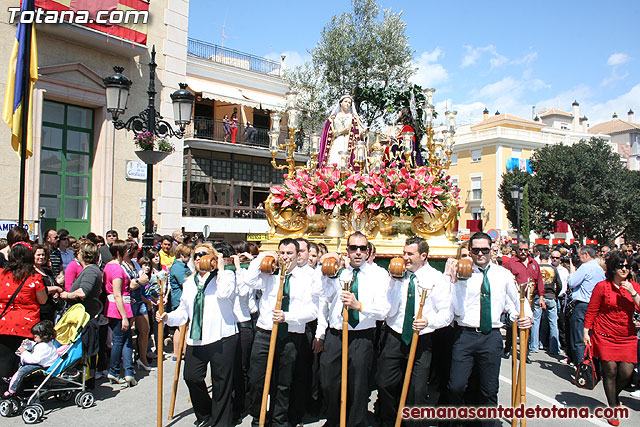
(505, 296)
(243, 296)
(564, 276)
(302, 308)
(437, 306)
(373, 284)
(218, 320)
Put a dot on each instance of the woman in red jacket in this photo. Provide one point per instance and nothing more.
(610, 317)
(17, 318)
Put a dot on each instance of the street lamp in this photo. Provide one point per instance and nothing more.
(117, 93)
(516, 194)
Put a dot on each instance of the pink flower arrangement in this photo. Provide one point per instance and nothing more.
(393, 191)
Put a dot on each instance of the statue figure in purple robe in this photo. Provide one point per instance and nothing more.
(342, 130)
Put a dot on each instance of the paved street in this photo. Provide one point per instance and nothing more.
(548, 382)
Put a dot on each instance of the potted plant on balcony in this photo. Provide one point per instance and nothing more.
(152, 150)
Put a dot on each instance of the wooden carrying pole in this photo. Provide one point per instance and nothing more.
(272, 348)
(345, 362)
(176, 374)
(160, 347)
(520, 383)
(514, 368)
(410, 361)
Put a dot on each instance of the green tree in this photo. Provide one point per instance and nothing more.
(359, 54)
(584, 185)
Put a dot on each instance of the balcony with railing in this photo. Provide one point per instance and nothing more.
(206, 128)
(231, 57)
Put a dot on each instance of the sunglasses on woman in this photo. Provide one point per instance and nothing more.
(623, 266)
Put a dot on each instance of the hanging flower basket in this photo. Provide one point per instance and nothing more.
(151, 157)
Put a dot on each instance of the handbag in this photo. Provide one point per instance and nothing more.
(587, 375)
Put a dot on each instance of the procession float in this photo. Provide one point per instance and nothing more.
(387, 186)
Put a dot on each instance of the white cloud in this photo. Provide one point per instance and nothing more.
(292, 58)
(475, 53)
(430, 73)
(618, 59)
(615, 61)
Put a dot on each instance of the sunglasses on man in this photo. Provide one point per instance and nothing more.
(354, 248)
(477, 251)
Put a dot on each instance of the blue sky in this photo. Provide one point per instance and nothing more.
(505, 55)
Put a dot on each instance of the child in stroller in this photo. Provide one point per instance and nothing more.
(37, 354)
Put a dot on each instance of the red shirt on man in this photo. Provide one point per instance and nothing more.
(523, 272)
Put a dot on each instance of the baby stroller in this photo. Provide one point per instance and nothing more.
(66, 377)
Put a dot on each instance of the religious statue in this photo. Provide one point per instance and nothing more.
(342, 130)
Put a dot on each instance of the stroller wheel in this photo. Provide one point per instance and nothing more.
(85, 399)
(8, 407)
(40, 409)
(31, 414)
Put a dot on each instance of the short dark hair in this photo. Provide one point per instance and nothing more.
(167, 237)
(544, 254)
(134, 232)
(113, 232)
(289, 241)
(302, 240)
(422, 244)
(479, 236)
(63, 232)
(44, 329)
(240, 246)
(523, 241)
(615, 258)
(92, 237)
(225, 249)
(118, 247)
(588, 250)
(17, 234)
(356, 234)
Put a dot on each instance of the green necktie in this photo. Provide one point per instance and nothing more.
(485, 304)
(198, 306)
(354, 315)
(283, 328)
(409, 312)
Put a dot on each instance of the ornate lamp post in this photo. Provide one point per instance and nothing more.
(516, 194)
(148, 120)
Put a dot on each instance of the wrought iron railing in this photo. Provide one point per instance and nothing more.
(235, 58)
(215, 130)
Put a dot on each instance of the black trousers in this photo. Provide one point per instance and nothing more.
(471, 348)
(442, 340)
(241, 373)
(392, 364)
(220, 355)
(8, 359)
(284, 361)
(302, 386)
(358, 371)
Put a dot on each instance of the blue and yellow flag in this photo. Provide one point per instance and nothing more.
(13, 107)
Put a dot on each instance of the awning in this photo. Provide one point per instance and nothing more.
(235, 95)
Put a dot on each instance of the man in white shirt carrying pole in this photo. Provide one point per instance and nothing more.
(207, 303)
(477, 304)
(404, 296)
(297, 309)
(366, 303)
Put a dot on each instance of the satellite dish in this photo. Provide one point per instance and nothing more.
(205, 232)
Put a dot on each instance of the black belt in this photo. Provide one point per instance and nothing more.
(476, 330)
(245, 324)
(356, 333)
(266, 331)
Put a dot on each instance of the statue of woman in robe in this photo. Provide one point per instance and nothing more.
(342, 130)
